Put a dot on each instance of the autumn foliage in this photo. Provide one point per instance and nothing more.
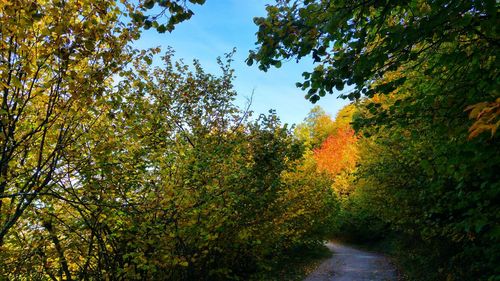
(338, 152)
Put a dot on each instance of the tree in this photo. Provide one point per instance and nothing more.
(317, 126)
(330, 144)
(58, 60)
(437, 182)
(357, 42)
(338, 152)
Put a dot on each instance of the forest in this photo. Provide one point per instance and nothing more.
(113, 167)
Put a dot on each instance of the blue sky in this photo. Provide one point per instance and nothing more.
(220, 25)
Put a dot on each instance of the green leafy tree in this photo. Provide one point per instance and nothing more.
(439, 184)
(316, 128)
(357, 42)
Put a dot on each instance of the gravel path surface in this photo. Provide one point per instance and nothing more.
(349, 264)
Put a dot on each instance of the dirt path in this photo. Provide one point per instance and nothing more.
(349, 264)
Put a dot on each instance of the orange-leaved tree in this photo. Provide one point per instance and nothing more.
(338, 152)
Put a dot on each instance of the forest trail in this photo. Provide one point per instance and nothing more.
(350, 264)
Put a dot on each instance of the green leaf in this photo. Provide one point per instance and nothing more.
(161, 28)
(149, 4)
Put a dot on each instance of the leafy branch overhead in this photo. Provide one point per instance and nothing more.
(150, 12)
(354, 43)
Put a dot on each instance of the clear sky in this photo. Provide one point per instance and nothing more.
(220, 25)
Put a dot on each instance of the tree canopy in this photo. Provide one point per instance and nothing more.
(357, 42)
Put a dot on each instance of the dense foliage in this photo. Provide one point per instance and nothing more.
(426, 174)
(112, 169)
(356, 42)
(57, 62)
